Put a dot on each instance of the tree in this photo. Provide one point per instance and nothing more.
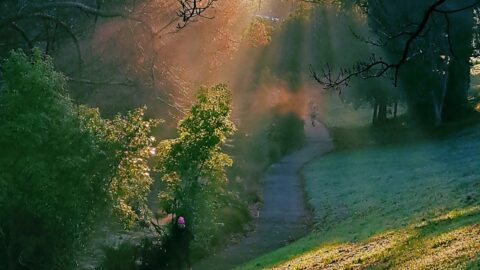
(129, 146)
(259, 33)
(54, 25)
(349, 27)
(190, 10)
(62, 167)
(431, 40)
(192, 166)
(440, 55)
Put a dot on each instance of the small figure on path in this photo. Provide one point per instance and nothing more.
(181, 237)
(313, 115)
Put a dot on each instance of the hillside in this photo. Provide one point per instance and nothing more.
(392, 207)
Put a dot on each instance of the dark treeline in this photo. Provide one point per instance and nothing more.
(425, 49)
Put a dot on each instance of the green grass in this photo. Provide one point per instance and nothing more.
(425, 191)
(335, 113)
(474, 264)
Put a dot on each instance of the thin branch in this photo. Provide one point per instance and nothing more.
(377, 67)
(190, 9)
(450, 11)
(378, 43)
(128, 83)
(23, 34)
(414, 35)
(156, 227)
(68, 31)
(85, 8)
(373, 69)
(176, 107)
(166, 25)
(450, 46)
(75, 5)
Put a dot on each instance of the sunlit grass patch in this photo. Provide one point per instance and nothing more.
(428, 192)
(448, 250)
(457, 213)
(448, 241)
(348, 255)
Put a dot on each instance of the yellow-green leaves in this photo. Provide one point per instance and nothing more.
(129, 144)
(192, 166)
(62, 166)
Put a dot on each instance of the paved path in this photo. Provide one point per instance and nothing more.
(284, 216)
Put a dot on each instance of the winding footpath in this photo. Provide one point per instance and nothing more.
(284, 215)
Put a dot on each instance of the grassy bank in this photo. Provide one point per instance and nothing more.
(392, 207)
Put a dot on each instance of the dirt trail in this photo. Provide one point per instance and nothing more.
(284, 216)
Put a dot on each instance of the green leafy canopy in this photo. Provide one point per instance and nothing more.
(62, 166)
(193, 165)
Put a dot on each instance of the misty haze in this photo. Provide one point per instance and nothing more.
(239, 134)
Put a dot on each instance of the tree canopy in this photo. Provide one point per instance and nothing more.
(193, 165)
(432, 40)
(62, 166)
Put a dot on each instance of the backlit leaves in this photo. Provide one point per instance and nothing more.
(192, 166)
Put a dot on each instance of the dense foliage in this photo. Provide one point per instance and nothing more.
(193, 165)
(424, 47)
(62, 166)
(129, 145)
(259, 33)
(440, 56)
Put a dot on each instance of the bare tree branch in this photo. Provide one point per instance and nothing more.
(376, 67)
(190, 9)
(53, 5)
(450, 11)
(128, 83)
(173, 106)
(41, 11)
(450, 46)
(23, 33)
(68, 31)
(378, 43)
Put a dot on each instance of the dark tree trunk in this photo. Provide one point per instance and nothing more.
(382, 112)
(395, 107)
(458, 80)
(379, 111)
(458, 83)
(448, 40)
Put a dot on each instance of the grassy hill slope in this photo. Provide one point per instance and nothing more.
(396, 207)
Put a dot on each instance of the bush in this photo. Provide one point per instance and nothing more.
(259, 33)
(62, 166)
(151, 253)
(285, 135)
(123, 257)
